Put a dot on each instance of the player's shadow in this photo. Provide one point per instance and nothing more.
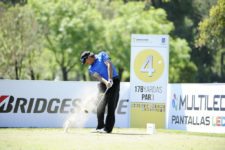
(129, 133)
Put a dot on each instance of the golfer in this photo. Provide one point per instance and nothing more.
(101, 68)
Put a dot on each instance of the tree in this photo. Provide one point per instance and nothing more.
(181, 68)
(212, 29)
(14, 2)
(19, 37)
(186, 16)
(70, 27)
(211, 35)
(124, 19)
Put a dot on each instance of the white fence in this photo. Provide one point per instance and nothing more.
(190, 107)
(196, 107)
(49, 103)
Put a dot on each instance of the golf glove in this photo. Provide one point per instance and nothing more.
(109, 83)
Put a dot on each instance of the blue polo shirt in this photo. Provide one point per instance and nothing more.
(100, 67)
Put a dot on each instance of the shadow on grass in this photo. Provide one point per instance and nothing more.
(130, 133)
(113, 133)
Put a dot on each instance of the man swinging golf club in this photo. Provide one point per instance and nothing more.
(101, 68)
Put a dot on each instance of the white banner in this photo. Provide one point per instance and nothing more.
(196, 107)
(49, 104)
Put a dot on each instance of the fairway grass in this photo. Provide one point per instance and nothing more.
(120, 139)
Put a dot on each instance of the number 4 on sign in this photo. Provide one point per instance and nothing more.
(147, 66)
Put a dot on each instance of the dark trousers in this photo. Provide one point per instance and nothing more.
(110, 99)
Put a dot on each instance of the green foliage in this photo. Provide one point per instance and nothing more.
(19, 37)
(123, 20)
(211, 35)
(181, 69)
(71, 26)
(212, 29)
(186, 15)
(68, 27)
(132, 19)
(14, 2)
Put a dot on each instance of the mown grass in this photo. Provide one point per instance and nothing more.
(191, 133)
(120, 139)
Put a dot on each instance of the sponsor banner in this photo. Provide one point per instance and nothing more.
(149, 78)
(197, 107)
(49, 104)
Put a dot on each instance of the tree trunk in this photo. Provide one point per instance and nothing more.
(32, 75)
(125, 1)
(153, 3)
(17, 70)
(222, 67)
(120, 73)
(84, 77)
(64, 73)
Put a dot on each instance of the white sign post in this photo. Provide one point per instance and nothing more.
(149, 78)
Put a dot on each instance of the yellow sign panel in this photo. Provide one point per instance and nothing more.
(143, 113)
